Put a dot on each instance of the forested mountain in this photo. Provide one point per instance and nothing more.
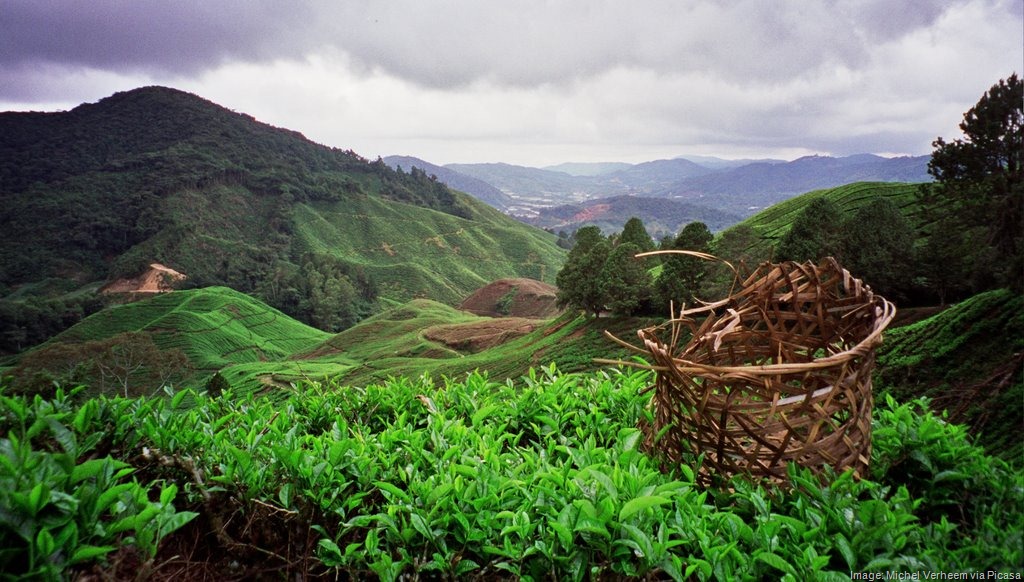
(455, 180)
(157, 174)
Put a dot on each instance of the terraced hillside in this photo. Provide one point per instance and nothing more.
(774, 222)
(214, 327)
(969, 359)
(427, 337)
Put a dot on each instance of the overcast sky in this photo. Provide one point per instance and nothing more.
(536, 82)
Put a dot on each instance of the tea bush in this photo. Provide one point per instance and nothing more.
(541, 478)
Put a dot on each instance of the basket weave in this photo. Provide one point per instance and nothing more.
(778, 372)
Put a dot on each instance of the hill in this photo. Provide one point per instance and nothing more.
(155, 174)
(176, 338)
(588, 168)
(749, 188)
(773, 223)
(660, 216)
(969, 360)
(427, 337)
(738, 187)
(513, 297)
(479, 189)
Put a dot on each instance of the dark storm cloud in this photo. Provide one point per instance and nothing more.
(528, 80)
(443, 44)
(146, 35)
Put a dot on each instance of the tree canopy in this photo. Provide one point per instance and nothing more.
(681, 275)
(979, 184)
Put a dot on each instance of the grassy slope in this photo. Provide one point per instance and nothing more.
(968, 359)
(418, 252)
(774, 222)
(214, 326)
(393, 344)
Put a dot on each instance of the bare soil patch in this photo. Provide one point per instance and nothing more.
(481, 335)
(157, 279)
(531, 299)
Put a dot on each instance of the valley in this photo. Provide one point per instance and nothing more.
(227, 351)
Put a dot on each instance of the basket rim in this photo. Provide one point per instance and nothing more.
(885, 311)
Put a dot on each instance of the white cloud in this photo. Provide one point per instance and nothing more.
(541, 82)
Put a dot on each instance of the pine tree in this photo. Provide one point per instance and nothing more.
(625, 281)
(578, 282)
(813, 234)
(877, 246)
(979, 183)
(635, 232)
(681, 275)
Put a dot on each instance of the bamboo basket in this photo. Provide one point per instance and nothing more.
(778, 372)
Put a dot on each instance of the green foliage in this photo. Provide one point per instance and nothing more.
(547, 477)
(61, 505)
(635, 232)
(967, 361)
(681, 276)
(212, 327)
(772, 224)
(877, 245)
(579, 282)
(625, 282)
(156, 174)
(980, 181)
(813, 234)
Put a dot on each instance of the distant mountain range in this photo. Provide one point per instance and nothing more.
(722, 191)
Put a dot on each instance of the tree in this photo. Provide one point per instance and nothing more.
(877, 246)
(681, 275)
(813, 234)
(979, 180)
(624, 280)
(634, 232)
(578, 282)
(743, 248)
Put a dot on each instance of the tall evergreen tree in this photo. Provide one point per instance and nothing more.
(877, 245)
(813, 234)
(578, 282)
(625, 281)
(979, 181)
(681, 275)
(634, 232)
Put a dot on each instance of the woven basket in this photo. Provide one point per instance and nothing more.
(778, 372)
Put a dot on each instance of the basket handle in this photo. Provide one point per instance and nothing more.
(706, 257)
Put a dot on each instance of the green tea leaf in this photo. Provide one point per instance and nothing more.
(634, 506)
(87, 553)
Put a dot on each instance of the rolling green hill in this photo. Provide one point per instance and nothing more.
(774, 222)
(427, 337)
(214, 327)
(256, 347)
(156, 174)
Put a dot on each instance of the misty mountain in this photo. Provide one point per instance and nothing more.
(719, 184)
(713, 163)
(588, 168)
(661, 216)
(455, 180)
